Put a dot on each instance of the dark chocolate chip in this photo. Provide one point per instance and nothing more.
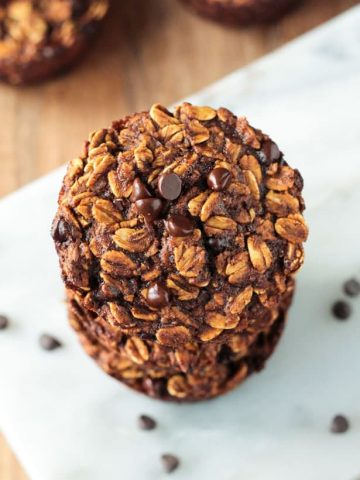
(352, 287)
(218, 244)
(170, 186)
(179, 226)
(151, 208)
(155, 388)
(2, 29)
(48, 342)
(89, 28)
(170, 462)
(341, 310)
(139, 191)
(219, 179)
(146, 423)
(79, 7)
(270, 151)
(4, 322)
(158, 295)
(60, 231)
(340, 424)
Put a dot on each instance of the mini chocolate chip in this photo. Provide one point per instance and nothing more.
(60, 231)
(179, 226)
(340, 424)
(2, 29)
(219, 179)
(146, 423)
(79, 7)
(151, 208)
(170, 462)
(139, 191)
(218, 244)
(341, 310)
(155, 388)
(158, 295)
(270, 151)
(169, 185)
(4, 322)
(48, 342)
(352, 287)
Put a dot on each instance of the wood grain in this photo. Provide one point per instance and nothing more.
(150, 51)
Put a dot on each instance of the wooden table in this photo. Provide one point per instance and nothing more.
(150, 51)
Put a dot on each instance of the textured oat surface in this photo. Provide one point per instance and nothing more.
(38, 38)
(180, 229)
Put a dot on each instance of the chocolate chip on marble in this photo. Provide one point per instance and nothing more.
(158, 295)
(352, 287)
(48, 342)
(170, 462)
(169, 186)
(151, 208)
(146, 423)
(179, 226)
(219, 179)
(340, 424)
(341, 310)
(139, 191)
(4, 322)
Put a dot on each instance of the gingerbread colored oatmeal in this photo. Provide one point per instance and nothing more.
(41, 38)
(179, 235)
(243, 12)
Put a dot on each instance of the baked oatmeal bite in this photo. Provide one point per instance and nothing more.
(179, 235)
(41, 38)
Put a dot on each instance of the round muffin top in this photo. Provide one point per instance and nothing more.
(38, 28)
(181, 227)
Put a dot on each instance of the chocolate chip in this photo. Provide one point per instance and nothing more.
(219, 179)
(352, 287)
(158, 295)
(146, 423)
(169, 186)
(79, 7)
(179, 226)
(151, 208)
(139, 191)
(341, 310)
(170, 462)
(48, 342)
(270, 151)
(218, 244)
(340, 424)
(60, 231)
(4, 322)
(155, 387)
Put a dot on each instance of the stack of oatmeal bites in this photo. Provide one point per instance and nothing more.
(41, 38)
(243, 12)
(178, 237)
